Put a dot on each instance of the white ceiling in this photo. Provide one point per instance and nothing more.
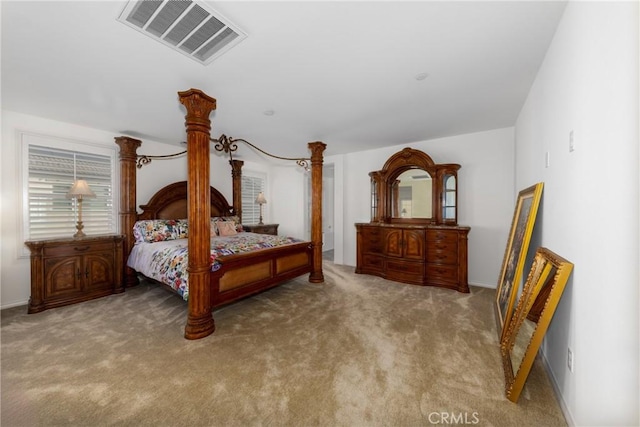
(340, 72)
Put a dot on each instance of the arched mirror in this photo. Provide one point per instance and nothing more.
(412, 188)
(413, 195)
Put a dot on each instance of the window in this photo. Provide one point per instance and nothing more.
(252, 185)
(51, 166)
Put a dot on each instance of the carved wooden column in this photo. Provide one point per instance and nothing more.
(236, 174)
(128, 212)
(317, 148)
(36, 300)
(199, 105)
(376, 202)
(395, 198)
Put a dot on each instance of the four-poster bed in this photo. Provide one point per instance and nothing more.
(238, 275)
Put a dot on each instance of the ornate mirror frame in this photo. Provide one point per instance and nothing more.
(536, 306)
(444, 194)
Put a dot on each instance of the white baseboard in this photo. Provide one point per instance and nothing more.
(13, 304)
(559, 397)
(483, 285)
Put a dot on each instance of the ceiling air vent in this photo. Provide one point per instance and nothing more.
(190, 27)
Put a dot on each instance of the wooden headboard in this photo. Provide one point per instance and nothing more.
(170, 202)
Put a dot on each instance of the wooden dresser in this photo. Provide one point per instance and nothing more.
(67, 271)
(414, 236)
(416, 254)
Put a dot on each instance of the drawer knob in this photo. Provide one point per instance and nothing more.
(81, 248)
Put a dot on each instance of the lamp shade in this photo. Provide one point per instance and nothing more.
(80, 189)
(260, 199)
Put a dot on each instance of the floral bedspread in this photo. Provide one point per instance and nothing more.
(167, 261)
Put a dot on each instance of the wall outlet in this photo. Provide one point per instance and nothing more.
(570, 359)
(547, 159)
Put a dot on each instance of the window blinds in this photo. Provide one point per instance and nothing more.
(251, 186)
(52, 171)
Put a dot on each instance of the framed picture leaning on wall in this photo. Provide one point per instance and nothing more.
(524, 219)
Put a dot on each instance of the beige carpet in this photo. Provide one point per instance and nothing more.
(354, 351)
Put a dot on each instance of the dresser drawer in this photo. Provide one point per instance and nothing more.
(442, 273)
(372, 246)
(403, 268)
(442, 251)
(442, 246)
(370, 240)
(78, 248)
(441, 236)
(369, 232)
(442, 256)
(372, 262)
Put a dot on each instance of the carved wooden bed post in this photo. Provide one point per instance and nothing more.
(236, 174)
(128, 212)
(317, 148)
(199, 105)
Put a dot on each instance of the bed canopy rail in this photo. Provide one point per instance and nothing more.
(225, 144)
(200, 321)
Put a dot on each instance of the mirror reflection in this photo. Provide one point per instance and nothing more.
(539, 277)
(521, 343)
(534, 311)
(413, 194)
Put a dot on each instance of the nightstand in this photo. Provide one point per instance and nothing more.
(70, 270)
(261, 228)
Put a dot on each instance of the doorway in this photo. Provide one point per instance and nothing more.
(328, 210)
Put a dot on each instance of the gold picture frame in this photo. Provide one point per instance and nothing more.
(536, 306)
(524, 219)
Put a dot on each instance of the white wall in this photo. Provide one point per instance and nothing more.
(486, 193)
(588, 84)
(287, 191)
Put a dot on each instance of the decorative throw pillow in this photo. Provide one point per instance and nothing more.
(235, 219)
(226, 228)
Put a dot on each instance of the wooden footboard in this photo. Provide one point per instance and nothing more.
(246, 274)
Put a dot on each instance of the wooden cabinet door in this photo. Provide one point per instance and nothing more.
(413, 242)
(98, 271)
(62, 276)
(408, 244)
(393, 243)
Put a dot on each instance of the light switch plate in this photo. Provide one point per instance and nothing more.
(571, 142)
